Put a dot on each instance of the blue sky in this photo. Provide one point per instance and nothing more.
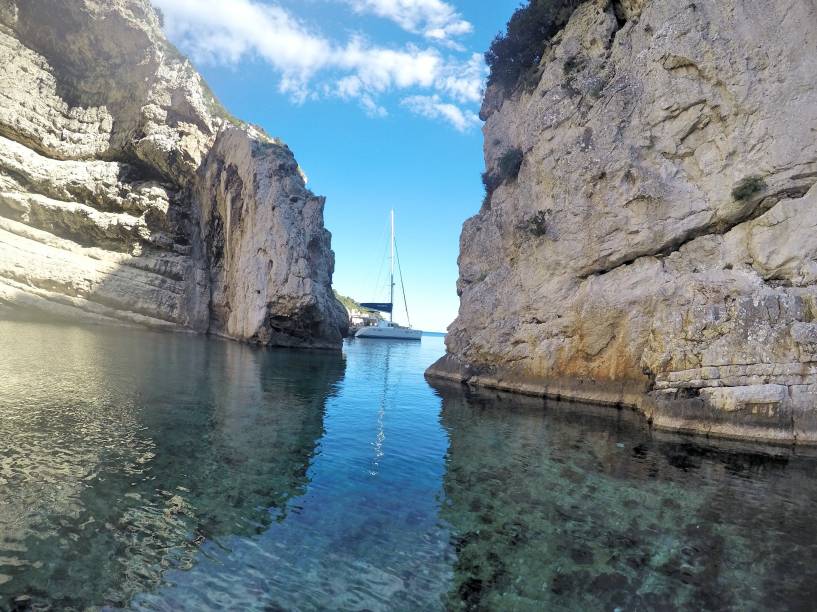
(378, 100)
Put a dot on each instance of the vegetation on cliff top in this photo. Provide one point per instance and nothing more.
(520, 48)
(347, 302)
(351, 304)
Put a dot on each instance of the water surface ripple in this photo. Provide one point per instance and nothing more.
(170, 472)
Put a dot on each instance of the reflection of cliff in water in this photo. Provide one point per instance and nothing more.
(583, 508)
(122, 452)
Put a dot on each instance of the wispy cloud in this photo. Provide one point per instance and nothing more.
(311, 65)
(433, 19)
(433, 107)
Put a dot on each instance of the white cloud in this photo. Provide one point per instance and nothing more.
(433, 19)
(372, 108)
(435, 108)
(227, 31)
(464, 81)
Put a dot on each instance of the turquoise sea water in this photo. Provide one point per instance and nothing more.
(169, 472)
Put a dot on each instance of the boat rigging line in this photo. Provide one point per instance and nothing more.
(402, 284)
(385, 238)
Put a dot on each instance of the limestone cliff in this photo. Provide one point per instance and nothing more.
(654, 242)
(127, 194)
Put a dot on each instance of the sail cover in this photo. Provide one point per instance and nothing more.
(378, 306)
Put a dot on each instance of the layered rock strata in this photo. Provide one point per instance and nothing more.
(657, 248)
(129, 196)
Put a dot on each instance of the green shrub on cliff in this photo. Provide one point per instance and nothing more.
(529, 30)
(510, 164)
(507, 169)
(748, 187)
(537, 225)
(490, 181)
(351, 304)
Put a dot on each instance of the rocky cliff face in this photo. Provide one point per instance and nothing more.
(657, 248)
(127, 195)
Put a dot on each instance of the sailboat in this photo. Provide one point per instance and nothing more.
(389, 330)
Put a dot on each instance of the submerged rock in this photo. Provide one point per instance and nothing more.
(655, 248)
(128, 195)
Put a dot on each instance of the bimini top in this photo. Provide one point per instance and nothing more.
(380, 306)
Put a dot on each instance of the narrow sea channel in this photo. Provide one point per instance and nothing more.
(152, 471)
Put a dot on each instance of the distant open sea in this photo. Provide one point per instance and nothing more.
(151, 471)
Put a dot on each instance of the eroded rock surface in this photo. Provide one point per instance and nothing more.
(658, 246)
(128, 196)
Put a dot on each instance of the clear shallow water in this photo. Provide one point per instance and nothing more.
(166, 472)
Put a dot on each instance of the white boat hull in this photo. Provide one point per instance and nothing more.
(389, 333)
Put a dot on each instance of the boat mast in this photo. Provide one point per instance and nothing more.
(391, 283)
